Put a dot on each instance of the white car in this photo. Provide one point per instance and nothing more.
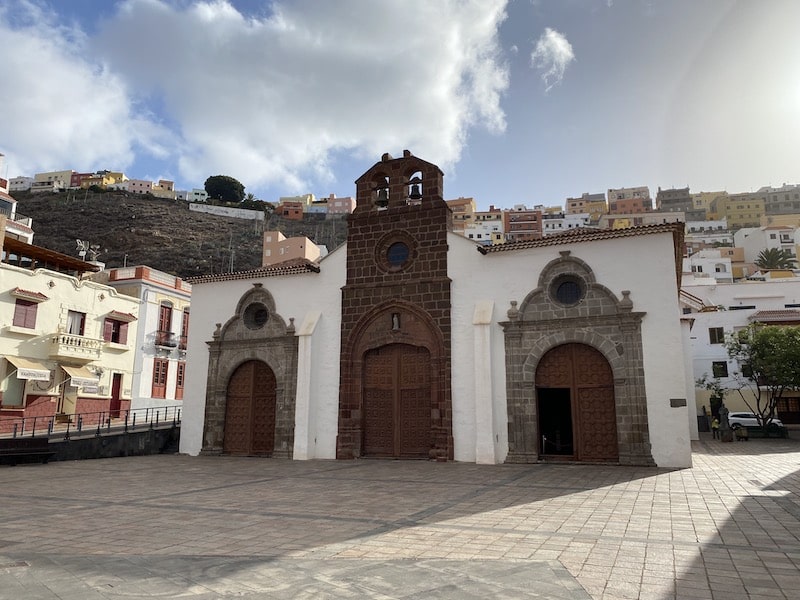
(748, 419)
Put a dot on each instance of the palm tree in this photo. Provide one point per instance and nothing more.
(774, 258)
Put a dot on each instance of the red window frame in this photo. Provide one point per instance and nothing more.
(160, 370)
(180, 380)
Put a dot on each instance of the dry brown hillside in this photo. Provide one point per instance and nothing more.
(164, 234)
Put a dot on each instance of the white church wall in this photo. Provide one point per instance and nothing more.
(504, 276)
(295, 296)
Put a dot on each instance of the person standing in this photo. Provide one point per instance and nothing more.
(715, 428)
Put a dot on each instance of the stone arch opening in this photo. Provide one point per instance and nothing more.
(576, 408)
(584, 312)
(256, 344)
(394, 400)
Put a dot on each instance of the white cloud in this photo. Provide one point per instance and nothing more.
(60, 108)
(552, 55)
(271, 100)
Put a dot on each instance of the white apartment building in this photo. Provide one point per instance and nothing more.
(159, 371)
(710, 265)
(20, 184)
(560, 223)
(66, 343)
(755, 239)
(720, 310)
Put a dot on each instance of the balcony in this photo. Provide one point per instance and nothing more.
(166, 339)
(75, 347)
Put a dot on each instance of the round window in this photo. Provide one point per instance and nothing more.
(397, 254)
(567, 290)
(256, 316)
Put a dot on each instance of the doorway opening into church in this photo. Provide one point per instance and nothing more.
(250, 411)
(397, 402)
(555, 422)
(576, 405)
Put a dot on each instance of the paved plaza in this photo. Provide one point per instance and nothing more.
(175, 526)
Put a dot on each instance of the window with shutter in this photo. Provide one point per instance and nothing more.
(25, 313)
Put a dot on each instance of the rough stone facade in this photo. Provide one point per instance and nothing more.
(597, 319)
(397, 298)
(243, 338)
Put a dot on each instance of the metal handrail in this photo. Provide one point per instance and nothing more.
(104, 421)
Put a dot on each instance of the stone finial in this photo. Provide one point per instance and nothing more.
(626, 304)
(513, 312)
(386, 157)
(218, 331)
(290, 329)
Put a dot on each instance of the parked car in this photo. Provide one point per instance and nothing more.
(748, 419)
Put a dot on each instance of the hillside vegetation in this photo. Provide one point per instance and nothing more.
(134, 229)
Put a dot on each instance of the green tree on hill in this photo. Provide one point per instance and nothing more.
(224, 188)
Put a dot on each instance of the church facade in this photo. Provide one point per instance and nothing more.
(412, 342)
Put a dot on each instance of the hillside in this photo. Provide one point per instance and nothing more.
(143, 230)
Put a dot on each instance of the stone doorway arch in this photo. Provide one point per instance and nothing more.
(250, 411)
(394, 399)
(569, 306)
(576, 407)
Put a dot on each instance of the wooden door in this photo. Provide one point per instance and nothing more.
(397, 402)
(159, 387)
(116, 400)
(583, 373)
(250, 410)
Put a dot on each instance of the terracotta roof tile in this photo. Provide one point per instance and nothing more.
(20, 293)
(295, 266)
(767, 316)
(583, 234)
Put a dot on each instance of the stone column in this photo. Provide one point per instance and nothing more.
(484, 405)
(303, 432)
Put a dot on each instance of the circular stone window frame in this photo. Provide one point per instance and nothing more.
(252, 316)
(389, 240)
(567, 278)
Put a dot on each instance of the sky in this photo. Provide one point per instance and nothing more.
(518, 101)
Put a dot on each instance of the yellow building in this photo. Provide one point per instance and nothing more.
(704, 200)
(741, 210)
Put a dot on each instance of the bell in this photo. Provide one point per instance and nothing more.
(383, 198)
(415, 193)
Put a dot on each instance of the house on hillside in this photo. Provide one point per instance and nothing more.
(411, 341)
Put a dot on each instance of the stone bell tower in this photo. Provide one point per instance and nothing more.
(395, 394)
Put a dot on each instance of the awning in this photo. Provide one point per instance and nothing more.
(121, 316)
(81, 376)
(27, 368)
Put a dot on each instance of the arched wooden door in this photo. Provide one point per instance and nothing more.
(575, 405)
(250, 410)
(397, 402)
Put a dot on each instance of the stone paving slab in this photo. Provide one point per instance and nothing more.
(215, 577)
(216, 527)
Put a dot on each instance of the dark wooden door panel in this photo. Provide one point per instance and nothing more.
(397, 402)
(250, 410)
